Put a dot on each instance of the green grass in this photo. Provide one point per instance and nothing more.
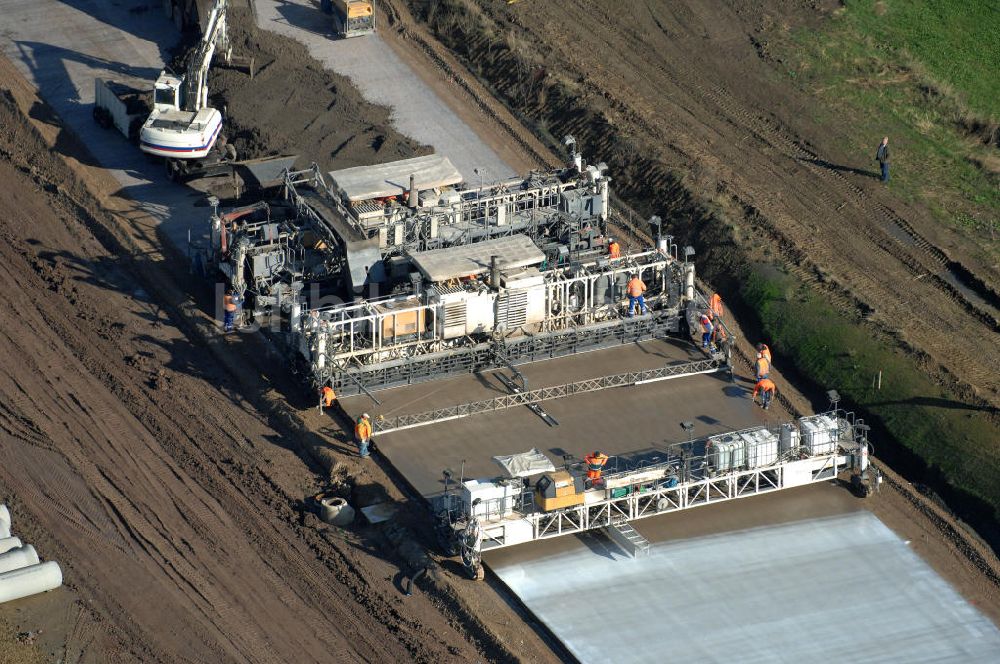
(924, 72)
(953, 438)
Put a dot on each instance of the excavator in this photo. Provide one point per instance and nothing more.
(182, 126)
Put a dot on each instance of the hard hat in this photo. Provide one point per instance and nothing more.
(365, 415)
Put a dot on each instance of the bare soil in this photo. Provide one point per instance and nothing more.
(158, 475)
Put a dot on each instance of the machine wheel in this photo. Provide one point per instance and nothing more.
(662, 504)
(862, 487)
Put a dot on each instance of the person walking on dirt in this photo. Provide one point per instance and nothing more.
(882, 157)
(363, 435)
(767, 389)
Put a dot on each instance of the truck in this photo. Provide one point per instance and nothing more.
(351, 18)
(122, 104)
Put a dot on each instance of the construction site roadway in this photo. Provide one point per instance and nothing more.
(165, 467)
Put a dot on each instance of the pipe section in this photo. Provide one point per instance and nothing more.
(8, 543)
(23, 556)
(29, 581)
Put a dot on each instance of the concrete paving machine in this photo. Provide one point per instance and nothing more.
(533, 500)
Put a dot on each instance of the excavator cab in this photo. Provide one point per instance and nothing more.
(167, 93)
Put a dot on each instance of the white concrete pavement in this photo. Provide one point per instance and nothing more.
(384, 78)
(840, 589)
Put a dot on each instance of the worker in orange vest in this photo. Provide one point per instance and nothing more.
(761, 367)
(363, 435)
(635, 288)
(614, 249)
(595, 464)
(767, 389)
(764, 352)
(229, 311)
(715, 305)
(328, 396)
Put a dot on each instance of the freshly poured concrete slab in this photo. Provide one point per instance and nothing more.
(840, 588)
(384, 78)
(61, 46)
(620, 421)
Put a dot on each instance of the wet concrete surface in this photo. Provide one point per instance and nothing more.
(616, 420)
(805, 575)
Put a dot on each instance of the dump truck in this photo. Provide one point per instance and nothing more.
(351, 18)
(122, 104)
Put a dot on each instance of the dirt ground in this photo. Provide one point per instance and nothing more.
(163, 468)
(141, 463)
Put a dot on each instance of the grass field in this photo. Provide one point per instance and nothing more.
(924, 72)
(957, 447)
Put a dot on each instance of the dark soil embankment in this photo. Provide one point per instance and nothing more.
(294, 106)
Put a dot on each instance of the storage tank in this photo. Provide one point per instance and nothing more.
(762, 447)
(788, 439)
(819, 434)
(726, 452)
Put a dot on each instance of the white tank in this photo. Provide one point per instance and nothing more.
(8, 543)
(689, 281)
(29, 581)
(23, 556)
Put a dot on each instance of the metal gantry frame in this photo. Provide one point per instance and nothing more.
(682, 481)
(402, 422)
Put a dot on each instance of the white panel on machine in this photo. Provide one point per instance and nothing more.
(495, 499)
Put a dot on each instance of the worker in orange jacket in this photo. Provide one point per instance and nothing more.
(328, 396)
(595, 464)
(767, 389)
(715, 305)
(635, 288)
(764, 352)
(363, 435)
(761, 367)
(614, 249)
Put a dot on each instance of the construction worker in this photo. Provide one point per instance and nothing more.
(614, 249)
(707, 330)
(363, 435)
(764, 352)
(635, 288)
(715, 305)
(328, 396)
(761, 367)
(229, 311)
(767, 389)
(595, 464)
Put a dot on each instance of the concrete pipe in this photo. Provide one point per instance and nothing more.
(8, 543)
(5, 515)
(24, 556)
(336, 511)
(4, 530)
(29, 581)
